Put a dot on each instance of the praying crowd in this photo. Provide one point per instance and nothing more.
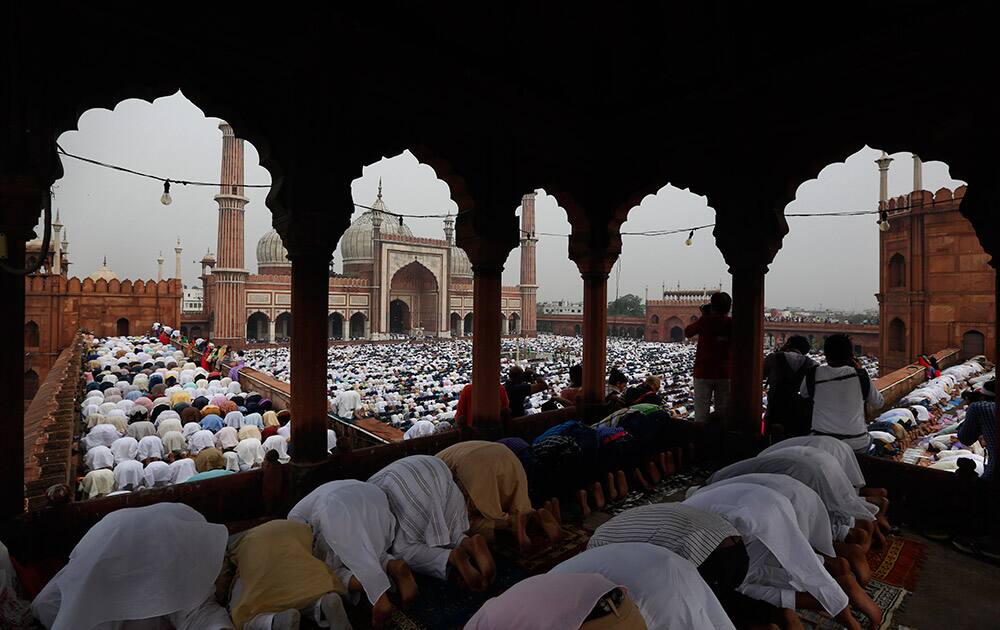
(151, 418)
(786, 530)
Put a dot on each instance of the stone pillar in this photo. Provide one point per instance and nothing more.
(748, 238)
(270, 330)
(486, 344)
(310, 283)
(529, 281)
(177, 260)
(57, 256)
(595, 339)
(883, 176)
(20, 200)
(345, 328)
(918, 173)
(747, 375)
(159, 267)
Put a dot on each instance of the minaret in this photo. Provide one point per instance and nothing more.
(449, 230)
(918, 173)
(57, 257)
(64, 258)
(529, 282)
(159, 267)
(177, 260)
(229, 276)
(883, 177)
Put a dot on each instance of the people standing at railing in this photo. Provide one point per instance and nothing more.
(712, 362)
(839, 391)
(784, 370)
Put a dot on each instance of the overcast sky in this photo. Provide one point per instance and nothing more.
(829, 262)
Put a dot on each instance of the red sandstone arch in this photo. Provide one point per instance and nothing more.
(897, 335)
(31, 335)
(416, 287)
(897, 271)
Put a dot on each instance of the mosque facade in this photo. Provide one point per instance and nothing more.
(393, 283)
(936, 287)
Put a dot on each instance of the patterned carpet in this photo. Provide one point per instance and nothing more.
(895, 570)
(668, 490)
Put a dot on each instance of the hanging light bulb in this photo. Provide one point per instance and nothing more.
(400, 220)
(165, 197)
(883, 223)
(690, 238)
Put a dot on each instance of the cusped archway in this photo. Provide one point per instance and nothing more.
(414, 299)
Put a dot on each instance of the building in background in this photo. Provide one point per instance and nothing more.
(194, 300)
(936, 288)
(57, 306)
(561, 307)
(393, 283)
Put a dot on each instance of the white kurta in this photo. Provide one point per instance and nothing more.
(781, 559)
(109, 577)
(354, 528)
(836, 448)
(668, 589)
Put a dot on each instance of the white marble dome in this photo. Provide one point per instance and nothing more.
(459, 263)
(356, 243)
(271, 252)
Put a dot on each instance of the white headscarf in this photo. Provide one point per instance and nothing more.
(280, 444)
(234, 419)
(419, 429)
(100, 435)
(174, 441)
(201, 440)
(190, 429)
(232, 461)
(150, 446)
(250, 452)
(109, 576)
(124, 448)
(354, 520)
(226, 438)
(766, 518)
(668, 590)
(128, 472)
(99, 457)
(836, 448)
(182, 469)
(98, 483)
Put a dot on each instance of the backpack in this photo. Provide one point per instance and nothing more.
(864, 381)
(785, 405)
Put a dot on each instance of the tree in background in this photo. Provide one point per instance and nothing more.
(628, 305)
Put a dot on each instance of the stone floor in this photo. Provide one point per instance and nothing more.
(954, 592)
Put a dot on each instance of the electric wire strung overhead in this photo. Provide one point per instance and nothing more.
(883, 221)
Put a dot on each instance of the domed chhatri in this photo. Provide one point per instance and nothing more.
(104, 273)
(272, 258)
(356, 244)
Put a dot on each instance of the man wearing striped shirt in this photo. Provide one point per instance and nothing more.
(707, 540)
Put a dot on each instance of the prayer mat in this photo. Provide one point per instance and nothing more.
(574, 541)
(443, 604)
(899, 562)
(886, 596)
(665, 491)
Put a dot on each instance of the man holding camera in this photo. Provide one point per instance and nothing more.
(712, 361)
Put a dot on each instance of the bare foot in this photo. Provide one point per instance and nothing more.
(549, 525)
(622, 484)
(859, 599)
(467, 574)
(400, 573)
(598, 495)
(654, 472)
(857, 560)
(859, 537)
(836, 566)
(381, 611)
(581, 497)
(556, 509)
(788, 620)
(847, 620)
(666, 463)
(480, 553)
(648, 487)
(612, 490)
(519, 521)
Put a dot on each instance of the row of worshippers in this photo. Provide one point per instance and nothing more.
(404, 385)
(150, 418)
(943, 421)
(786, 530)
(344, 543)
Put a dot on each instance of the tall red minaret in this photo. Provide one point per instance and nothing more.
(529, 282)
(229, 275)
